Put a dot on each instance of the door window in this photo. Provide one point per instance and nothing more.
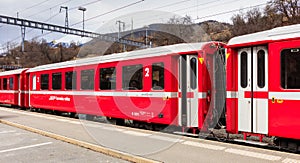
(244, 69)
(261, 68)
(193, 73)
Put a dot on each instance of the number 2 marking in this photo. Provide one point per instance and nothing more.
(147, 72)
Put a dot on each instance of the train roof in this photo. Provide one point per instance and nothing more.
(280, 33)
(138, 54)
(12, 72)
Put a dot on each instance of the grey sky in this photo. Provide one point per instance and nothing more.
(142, 13)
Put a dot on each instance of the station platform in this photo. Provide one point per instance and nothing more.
(137, 145)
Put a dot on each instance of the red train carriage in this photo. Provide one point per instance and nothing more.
(165, 85)
(12, 87)
(263, 84)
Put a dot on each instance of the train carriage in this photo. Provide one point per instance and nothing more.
(164, 85)
(12, 87)
(263, 84)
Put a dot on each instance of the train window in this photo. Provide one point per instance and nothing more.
(11, 83)
(70, 82)
(34, 82)
(132, 77)
(290, 68)
(87, 79)
(0, 84)
(108, 78)
(4, 83)
(193, 73)
(158, 76)
(45, 81)
(261, 68)
(244, 69)
(56, 81)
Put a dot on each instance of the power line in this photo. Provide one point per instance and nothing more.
(206, 3)
(42, 11)
(34, 5)
(171, 4)
(51, 17)
(85, 4)
(231, 11)
(114, 10)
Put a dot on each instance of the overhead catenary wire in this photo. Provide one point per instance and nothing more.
(230, 11)
(131, 4)
(171, 4)
(198, 18)
(114, 10)
(42, 11)
(32, 6)
(51, 17)
(199, 4)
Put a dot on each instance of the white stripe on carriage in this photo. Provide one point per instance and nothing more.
(231, 94)
(201, 95)
(285, 95)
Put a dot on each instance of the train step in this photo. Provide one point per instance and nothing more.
(251, 142)
(185, 134)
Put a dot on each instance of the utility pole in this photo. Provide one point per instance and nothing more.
(66, 19)
(120, 22)
(83, 10)
(23, 37)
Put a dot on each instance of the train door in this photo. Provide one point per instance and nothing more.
(19, 90)
(188, 90)
(253, 90)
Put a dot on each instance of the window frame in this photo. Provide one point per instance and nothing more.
(244, 69)
(73, 80)
(42, 83)
(4, 84)
(34, 83)
(193, 73)
(89, 86)
(110, 84)
(11, 83)
(261, 69)
(161, 85)
(285, 75)
(129, 84)
(54, 83)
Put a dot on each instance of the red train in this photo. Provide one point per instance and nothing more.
(181, 85)
(263, 85)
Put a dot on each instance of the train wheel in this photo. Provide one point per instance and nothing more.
(57, 112)
(72, 115)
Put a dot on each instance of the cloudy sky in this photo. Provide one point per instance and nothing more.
(101, 15)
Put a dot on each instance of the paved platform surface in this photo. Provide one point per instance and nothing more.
(17, 145)
(146, 144)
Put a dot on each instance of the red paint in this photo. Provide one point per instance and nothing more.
(262, 95)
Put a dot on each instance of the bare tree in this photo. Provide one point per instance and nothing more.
(45, 50)
(181, 27)
(290, 9)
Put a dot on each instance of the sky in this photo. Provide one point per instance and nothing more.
(101, 15)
